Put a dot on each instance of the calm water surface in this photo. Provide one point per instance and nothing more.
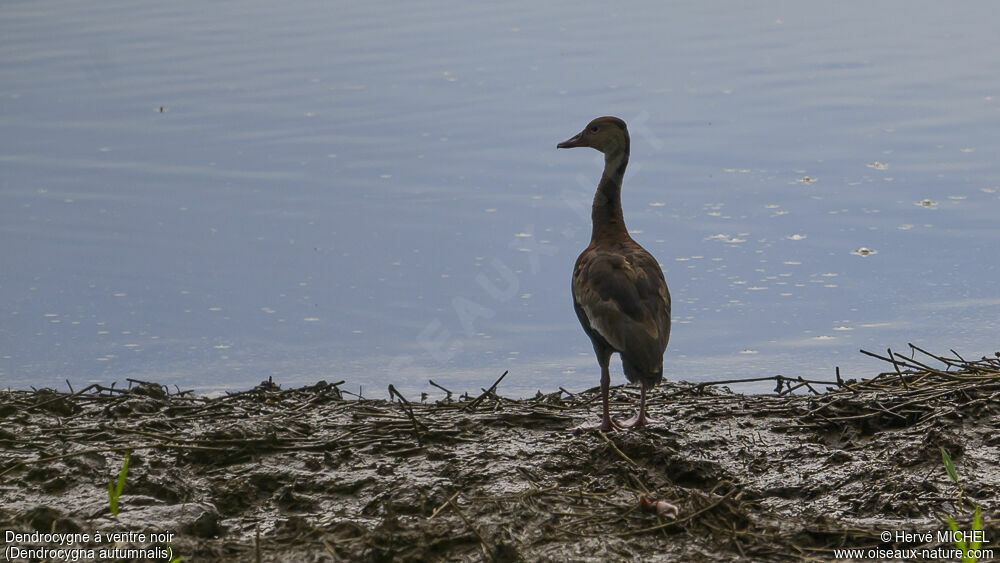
(210, 194)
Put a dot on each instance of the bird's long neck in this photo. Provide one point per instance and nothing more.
(609, 223)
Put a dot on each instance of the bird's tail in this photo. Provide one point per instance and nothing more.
(647, 377)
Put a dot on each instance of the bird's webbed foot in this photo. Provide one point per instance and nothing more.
(639, 421)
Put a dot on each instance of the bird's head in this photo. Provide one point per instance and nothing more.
(606, 134)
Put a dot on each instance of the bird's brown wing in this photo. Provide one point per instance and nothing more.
(624, 297)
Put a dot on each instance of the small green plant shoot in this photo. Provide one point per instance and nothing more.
(968, 554)
(968, 551)
(115, 488)
(949, 466)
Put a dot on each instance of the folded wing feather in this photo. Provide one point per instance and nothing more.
(624, 296)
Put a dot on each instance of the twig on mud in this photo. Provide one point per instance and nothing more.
(431, 381)
(787, 389)
(485, 394)
(615, 448)
(912, 393)
(923, 366)
(443, 505)
(810, 387)
(62, 397)
(951, 363)
(482, 542)
(409, 412)
(780, 379)
(256, 542)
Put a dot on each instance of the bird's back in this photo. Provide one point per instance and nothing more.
(621, 297)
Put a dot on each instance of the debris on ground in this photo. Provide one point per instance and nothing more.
(312, 474)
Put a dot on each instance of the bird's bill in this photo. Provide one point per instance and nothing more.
(574, 141)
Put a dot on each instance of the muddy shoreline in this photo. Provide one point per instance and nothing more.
(312, 474)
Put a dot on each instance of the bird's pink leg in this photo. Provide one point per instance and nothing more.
(606, 424)
(640, 420)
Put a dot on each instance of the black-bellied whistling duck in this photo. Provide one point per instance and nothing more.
(619, 292)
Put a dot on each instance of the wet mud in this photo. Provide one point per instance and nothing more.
(313, 474)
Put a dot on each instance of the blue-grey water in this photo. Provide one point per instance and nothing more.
(209, 194)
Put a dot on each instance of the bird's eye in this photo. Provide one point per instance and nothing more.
(594, 129)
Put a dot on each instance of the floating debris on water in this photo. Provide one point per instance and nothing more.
(726, 238)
